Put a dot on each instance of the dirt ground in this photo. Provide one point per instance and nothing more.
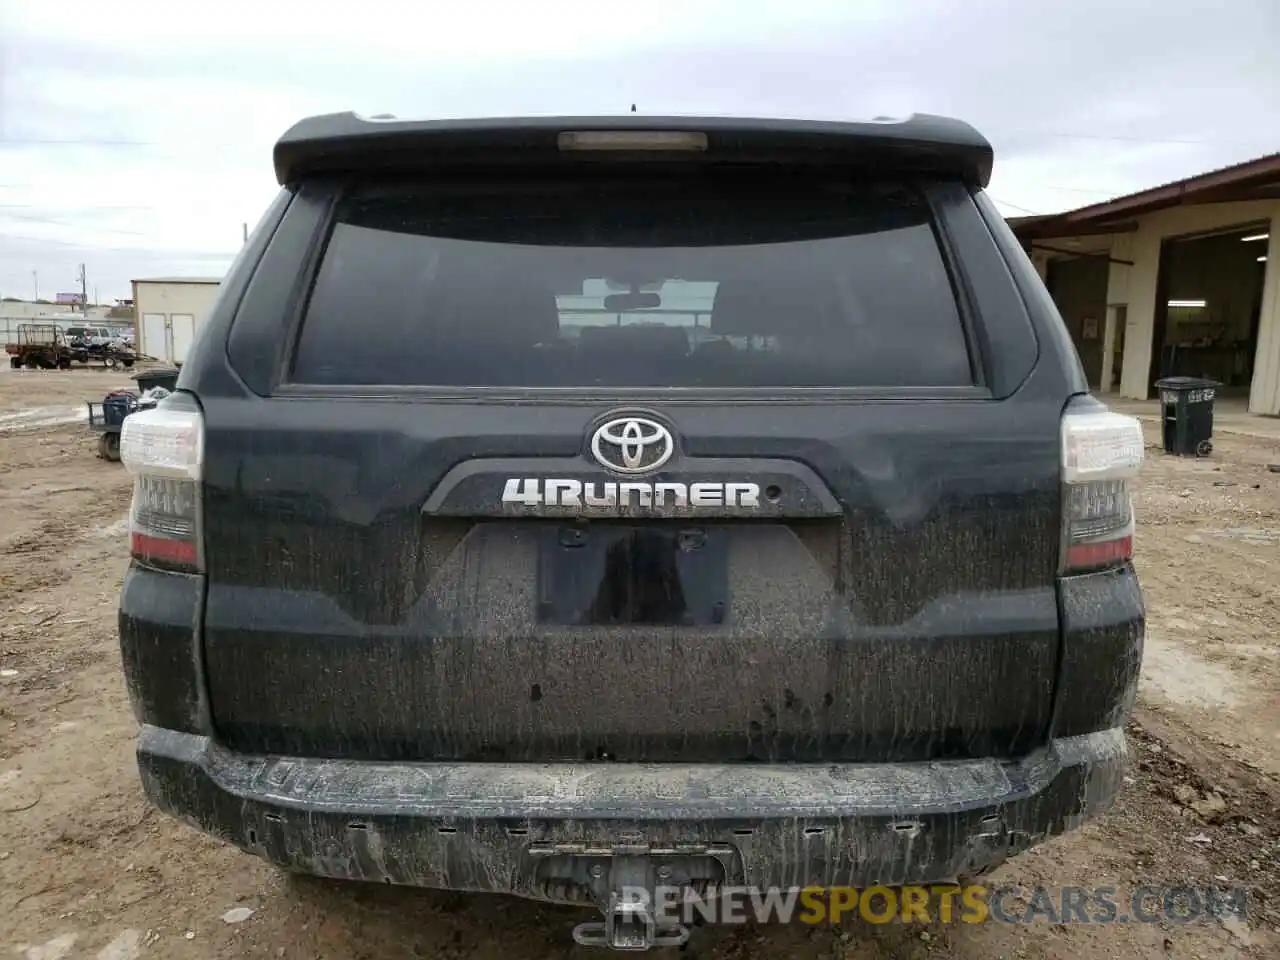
(87, 869)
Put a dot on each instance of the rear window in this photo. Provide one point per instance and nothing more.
(670, 282)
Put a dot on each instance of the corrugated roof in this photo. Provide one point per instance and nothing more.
(1016, 222)
(1265, 159)
(1259, 172)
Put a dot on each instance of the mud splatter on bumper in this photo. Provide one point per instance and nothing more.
(477, 826)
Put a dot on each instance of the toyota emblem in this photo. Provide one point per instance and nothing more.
(632, 445)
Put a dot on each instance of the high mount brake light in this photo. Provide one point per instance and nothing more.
(163, 448)
(1102, 452)
(632, 140)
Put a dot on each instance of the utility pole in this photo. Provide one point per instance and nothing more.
(244, 232)
(35, 282)
(84, 292)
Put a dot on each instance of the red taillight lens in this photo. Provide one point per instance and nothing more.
(163, 523)
(1101, 453)
(1087, 556)
(164, 448)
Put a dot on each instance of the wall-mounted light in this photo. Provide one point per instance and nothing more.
(1262, 259)
(1256, 236)
(1187, 303)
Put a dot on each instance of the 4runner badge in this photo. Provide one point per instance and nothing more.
(590, 496)
(630, 445)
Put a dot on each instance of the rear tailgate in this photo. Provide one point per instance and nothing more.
(455, 528)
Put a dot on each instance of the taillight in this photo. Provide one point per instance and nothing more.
(163, 448)
(1101, 454)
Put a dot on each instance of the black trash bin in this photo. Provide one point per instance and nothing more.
(166, 377)
(1186, 415)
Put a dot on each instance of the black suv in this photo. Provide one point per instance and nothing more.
(558, 506)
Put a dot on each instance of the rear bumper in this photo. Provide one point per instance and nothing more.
(486, 827)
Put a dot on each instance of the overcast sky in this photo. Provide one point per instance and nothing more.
(136, 136)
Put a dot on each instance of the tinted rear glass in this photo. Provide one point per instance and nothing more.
(708, 282)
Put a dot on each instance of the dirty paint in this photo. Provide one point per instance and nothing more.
(485, 826)
(384, 672)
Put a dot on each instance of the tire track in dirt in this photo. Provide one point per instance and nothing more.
(58, 575)
(1213, 594)
(42, 417)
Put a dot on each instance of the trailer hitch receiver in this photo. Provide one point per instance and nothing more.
(629, 922)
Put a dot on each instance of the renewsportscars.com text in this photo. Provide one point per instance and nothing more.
(945, 903)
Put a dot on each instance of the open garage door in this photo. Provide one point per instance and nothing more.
(1208, 307)
(1078, 286)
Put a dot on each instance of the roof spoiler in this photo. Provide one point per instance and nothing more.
(343, 143)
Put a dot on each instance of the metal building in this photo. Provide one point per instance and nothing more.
(1180, 279)
(169, 311)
